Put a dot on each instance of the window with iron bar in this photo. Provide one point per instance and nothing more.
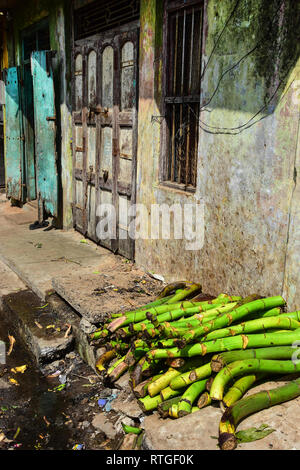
(100, 15)
(183, 24)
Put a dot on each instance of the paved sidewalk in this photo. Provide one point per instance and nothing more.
(37, 256)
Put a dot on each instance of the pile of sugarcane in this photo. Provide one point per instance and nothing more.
(184, 351)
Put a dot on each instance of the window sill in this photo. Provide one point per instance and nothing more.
(169, 185)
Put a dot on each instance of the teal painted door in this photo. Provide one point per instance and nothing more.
(45, 131)
(14, 140)
(28, 126)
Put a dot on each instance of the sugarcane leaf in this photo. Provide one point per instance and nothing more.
(130, 429)
(254, 434)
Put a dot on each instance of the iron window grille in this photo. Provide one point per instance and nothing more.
(100, 15)
(183, 25)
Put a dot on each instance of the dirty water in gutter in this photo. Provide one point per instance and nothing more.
(27, 409)
(33, 416)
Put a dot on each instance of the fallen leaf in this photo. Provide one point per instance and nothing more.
(59, 388)
(20, 369)
(84, 241)
(55, 374)
(50, 326)
(46, 421)
(17, 433)
(13, 381)
(254, 434)
(68, 331)
(11, 344)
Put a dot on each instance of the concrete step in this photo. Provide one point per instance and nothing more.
(41, 329)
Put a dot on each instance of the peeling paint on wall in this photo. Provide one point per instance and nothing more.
(245, 180)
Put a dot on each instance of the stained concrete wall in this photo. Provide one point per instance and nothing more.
(248, 150)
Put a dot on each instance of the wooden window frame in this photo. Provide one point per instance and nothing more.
(169, 8)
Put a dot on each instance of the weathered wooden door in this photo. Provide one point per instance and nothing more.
(45, 131)
(14, 139)
(105, 134)
(28, 126)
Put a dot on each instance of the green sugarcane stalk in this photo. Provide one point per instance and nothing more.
(165, 379)
(189, 396)
(173, 411)
(175, 329)
(101, 333)
(140, 343)
(141, 315)
(123, 332)
(268, 366)
(252, 404)
(117, 371)
(141, 390)
(204, 310)
(293, 315)
(149, 403)
(111, 368)
(163, 407)
(167, 393)
(119, 346)
(209, 311)
(204, 400)
(239, 388)
(232, 298)
(228, 318)
(166, 343)
(141, 326)
(121, 366)
(186, 291)
(171, 288)
(199, 318)
(176, 363)
(254, 325)
(189, 377)
(187, 311)
(277, 352)
(144, 368)
(209, 383)
(150, 333)
(155, 303)
(104, 358)
(162, 382)
(227, 344)
(273, 312)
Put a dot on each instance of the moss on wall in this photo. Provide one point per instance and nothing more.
(245, 176)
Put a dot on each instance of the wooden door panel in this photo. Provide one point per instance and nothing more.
(14, 141)
(104, 132)
(45, 130)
